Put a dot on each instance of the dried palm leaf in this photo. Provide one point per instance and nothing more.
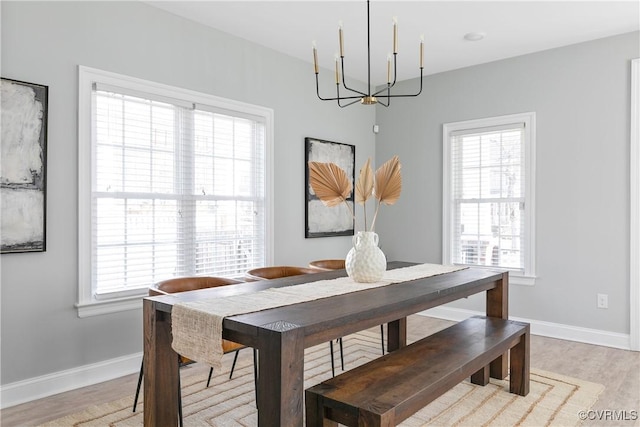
(330, 183)
(388, 184)
(364, 185)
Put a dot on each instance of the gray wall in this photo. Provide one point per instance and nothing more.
(580, 94)
(44, 42)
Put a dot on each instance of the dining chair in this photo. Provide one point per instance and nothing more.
(327, 264)
(184, 284)
(279, 271)
(276, 272)
(338, 264)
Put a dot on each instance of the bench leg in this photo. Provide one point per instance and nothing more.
(315, 411)
(519, 379)
(367, 419)
(481, 377)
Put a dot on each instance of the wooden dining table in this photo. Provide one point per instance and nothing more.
(281, 334)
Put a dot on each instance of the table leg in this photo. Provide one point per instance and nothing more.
(396, 334)
(281, 376)
(498, 306)
(160, 369)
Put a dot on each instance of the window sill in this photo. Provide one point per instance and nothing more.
(515, 277)
(522, 280)
(97, 308)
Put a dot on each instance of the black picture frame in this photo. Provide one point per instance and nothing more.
(322, 221)
(24, 111)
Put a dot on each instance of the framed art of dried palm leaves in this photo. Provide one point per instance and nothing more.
(320, 220)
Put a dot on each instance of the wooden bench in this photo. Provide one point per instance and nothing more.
(385, 391)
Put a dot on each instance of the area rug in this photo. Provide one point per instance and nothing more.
(553, 400)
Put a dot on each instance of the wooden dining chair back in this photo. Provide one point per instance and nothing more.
(327, 264)
(277, 272)
(185, 284)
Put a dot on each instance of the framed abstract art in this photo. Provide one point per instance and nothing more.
(322, 221)
(23, 166)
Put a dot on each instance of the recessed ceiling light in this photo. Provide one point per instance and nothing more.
(474, 37)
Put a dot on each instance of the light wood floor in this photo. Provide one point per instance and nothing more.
(617, 370)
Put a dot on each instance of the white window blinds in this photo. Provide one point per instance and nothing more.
(178, 189)
(487, 195)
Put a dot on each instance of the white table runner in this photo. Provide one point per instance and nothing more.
(197, 326)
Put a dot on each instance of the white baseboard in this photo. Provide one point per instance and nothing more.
(59, 382)
(546, 329)
(70, 379)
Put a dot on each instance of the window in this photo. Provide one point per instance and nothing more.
(488, 194)
(172, 183)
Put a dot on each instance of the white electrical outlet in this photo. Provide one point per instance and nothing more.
(603, 301)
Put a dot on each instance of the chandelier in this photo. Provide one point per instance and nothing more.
(383, 96)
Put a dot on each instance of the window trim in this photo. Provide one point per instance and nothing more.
(88, 304)
(634, 209)
(529, 119)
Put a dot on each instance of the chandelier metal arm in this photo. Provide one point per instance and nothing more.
(339, 98)
(368, 98)
(377, 94)
(344, 83)
(395, 68)
(388, 93)
(346, 105)
(395, 74)
(385, 89)
(355, 98)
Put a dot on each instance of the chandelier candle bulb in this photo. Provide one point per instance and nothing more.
(395, 34)
(422, 51)
(337, 72)
(341, 39)
(315, 58)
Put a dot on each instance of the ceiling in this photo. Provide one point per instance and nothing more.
(512, 28)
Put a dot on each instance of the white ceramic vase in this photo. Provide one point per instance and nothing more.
(365, 262)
